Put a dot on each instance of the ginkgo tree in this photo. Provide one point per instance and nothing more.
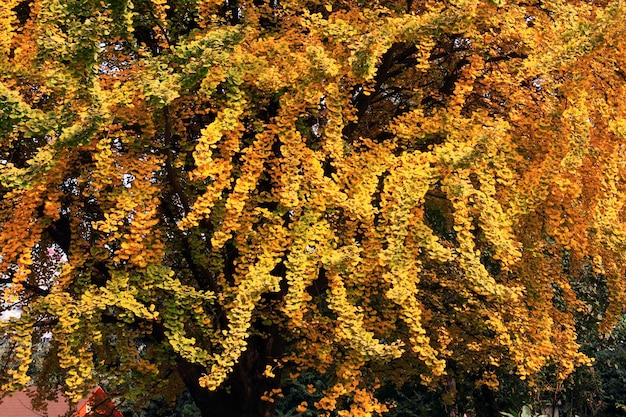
(221, 195)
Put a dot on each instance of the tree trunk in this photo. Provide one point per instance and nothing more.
(241, 393)
(451, 406)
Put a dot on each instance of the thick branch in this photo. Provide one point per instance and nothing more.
(172, 176)
(30, 287)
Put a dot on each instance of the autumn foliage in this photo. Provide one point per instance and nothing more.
(224, 194)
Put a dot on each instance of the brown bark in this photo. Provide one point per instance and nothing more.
(242, 392)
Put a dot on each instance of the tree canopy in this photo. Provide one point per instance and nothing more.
(220, 195)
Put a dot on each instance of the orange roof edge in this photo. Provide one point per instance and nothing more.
(99, 404)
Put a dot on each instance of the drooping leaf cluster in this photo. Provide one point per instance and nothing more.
(209, 192)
